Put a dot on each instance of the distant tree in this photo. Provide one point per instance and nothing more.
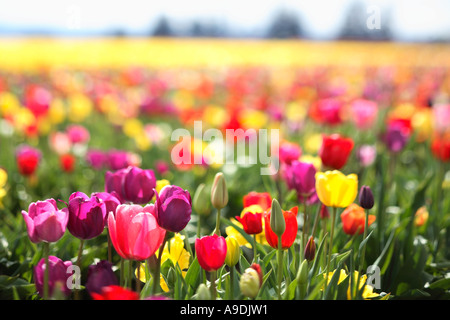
(162, 28)
(285, 25)
(204, 29)
(361, 23)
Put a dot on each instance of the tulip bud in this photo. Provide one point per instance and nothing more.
(277, 222)
(366, 197)
(219, 192)
(200, 203)
(302, 278)
(203, 293)
(251, 281)
(310, 249)
(233, 251)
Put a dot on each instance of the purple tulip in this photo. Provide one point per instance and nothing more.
(173, 208)
(100, 275)
(395, 138)
(300, 176)
(138, 185)
(118, 159)
(110, 199)
(57, 275)
(97, 159)
(45, 222)
(114, 183)
(87, 216)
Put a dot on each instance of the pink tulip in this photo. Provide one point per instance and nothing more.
(45, 222)
(58, 275)
(78, 134)
(134, 231)
(363, 113)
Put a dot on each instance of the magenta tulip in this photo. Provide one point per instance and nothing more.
(58, 276)
(99, 276)
(87, 216)
(138, 185)
(173, 208)
(134, 231)
(300, 176)
(45, 222)
(110, 199)
(114, 183)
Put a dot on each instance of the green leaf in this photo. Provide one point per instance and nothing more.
(192, 277)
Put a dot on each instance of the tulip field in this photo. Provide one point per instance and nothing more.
(117, 182)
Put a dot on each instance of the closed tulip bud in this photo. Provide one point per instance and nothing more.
(366, 197)
(310, 249)
(219, 192)
(302, 278)
(201, 203)
(100, 275)
(233, 251)
(203, 293)
(251, 281)
(277, 222)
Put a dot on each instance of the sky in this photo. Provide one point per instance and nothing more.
(321, 19)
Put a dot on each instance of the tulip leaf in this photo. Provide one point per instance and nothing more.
(192, 277)
(318, 257)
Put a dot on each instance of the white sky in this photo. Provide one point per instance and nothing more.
(320, 18)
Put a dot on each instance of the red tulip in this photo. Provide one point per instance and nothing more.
(134, 232)
(67, 162)
(335, 151)
(263, 199)
(251, 222)
(115, 292)
(27, 159)
(290, 233)
(441, 149)
(211, 252)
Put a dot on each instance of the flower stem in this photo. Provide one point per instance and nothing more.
(212, 286)
(158, 266)
(109, 246)
(46, 272)
(330, 249)
(80, 252)
(254, 248)
(217, 230)
(280, 266)
(231, 283)
(363, 252)
(138, 280)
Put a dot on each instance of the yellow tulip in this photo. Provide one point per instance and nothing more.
(335, 189)
(161, 184)
(3, 180)
(233, 251)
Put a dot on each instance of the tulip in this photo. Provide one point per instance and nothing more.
(300, 176)
(251, 222)
(251, 281)
(99, 276)
(114, 183)
(366, 197)
(219, 197)
(302, 278)
(353, 219)
(173, 208)
(290, 232)
(115, 292)
(421, 216)
(60, 142)
(396, 137)
(366, 155)
(211, 253)
(3, 180)
(219, 192)
(289, 152)
(87, 216)
(134, 231)
(57, 276)
(118, 159)
(336, 189)
(97, 159)
(440, 147)
(201, 203)
(28, 159)
(202, 293)
(310, 249)
(233, 251)
(263, 199)
(67, 162)
(335, 150)
(110, 200)
(364, 113)
(139, 185)
(78, 133)
(45, 222)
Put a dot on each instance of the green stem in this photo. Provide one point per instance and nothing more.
(46, 272)
(130, 274)
(138, 280)
(280, 266)
(109, 246)
(330, 249)
(212, 286)
(80, 252)
(121, 271)
(254, 248)
(231, 283)
(217, 230)
(363, 251)
(199, 226)
(158, 266)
